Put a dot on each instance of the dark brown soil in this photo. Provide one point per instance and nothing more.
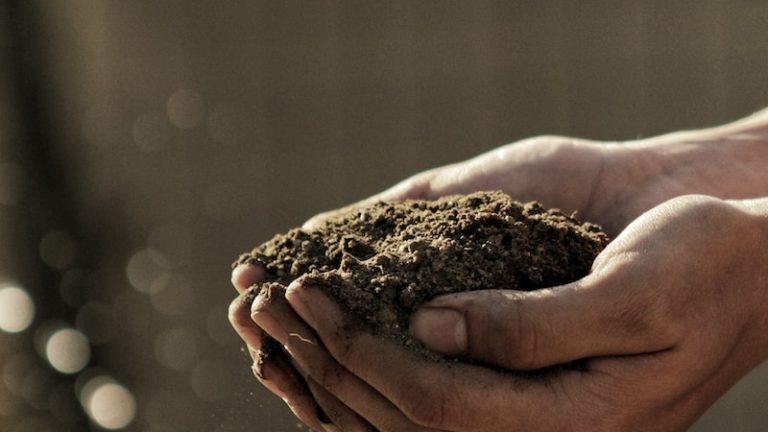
(381, 262)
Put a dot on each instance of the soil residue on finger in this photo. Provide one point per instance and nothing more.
(381, 262)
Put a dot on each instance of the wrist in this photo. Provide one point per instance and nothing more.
(756, 215)
(727, 162)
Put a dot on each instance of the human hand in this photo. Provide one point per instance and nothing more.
(672, 315)
(607, 183)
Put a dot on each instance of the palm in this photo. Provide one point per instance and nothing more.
(603, 183)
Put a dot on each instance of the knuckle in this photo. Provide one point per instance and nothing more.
(633, 318)
(555, 142)
(700, 210)
(430, 405)
(426, 411)
(419, 185)
(343, 348)
(520, 332)
(524, 337)
(647, 316)
(238, 312)
(327, 374)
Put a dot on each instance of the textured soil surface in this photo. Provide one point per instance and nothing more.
(383, 261)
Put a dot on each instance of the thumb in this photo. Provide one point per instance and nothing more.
(533, 330)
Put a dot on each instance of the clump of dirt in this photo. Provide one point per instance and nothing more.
(380, 263)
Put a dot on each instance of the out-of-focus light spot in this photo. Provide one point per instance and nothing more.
(108, 404)
(230, 126)
(17, 311)
(13, 184)
(176, 349)
(176, 298)
(222, 201)
(185, 109)
(148, 271)
(97, 321)
(211, 381)
(101, 124)
(151, 131)
(58, 249)
(219, 328)
(68, 351)
(174, 241)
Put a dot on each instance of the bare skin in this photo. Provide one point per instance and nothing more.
(671, 316)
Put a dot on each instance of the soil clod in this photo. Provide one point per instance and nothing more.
(380, 263)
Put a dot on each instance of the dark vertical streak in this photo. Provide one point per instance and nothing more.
(49, 203)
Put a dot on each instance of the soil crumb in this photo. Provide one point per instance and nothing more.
(380, 263)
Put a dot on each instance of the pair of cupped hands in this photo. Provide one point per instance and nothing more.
(672, 314)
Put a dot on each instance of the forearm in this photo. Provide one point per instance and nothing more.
(729, 161)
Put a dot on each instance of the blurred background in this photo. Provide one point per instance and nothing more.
(145, 144)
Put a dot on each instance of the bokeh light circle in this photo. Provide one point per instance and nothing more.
(176, 349)
(108, 404)
(68, 350)
(185, 109)
(17, 310)
(148, 271)
(58, 249)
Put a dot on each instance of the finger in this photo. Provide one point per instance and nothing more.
(240, 319)
(430, 394)
(270, 366)
(277, 372)
(338, 416)
(278, 319)
(246, 275)
(279, 377)
(600, 315)
(349, 389)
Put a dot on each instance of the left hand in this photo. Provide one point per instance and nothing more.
(673, 313)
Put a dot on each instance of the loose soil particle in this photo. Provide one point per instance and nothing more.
(380, 263)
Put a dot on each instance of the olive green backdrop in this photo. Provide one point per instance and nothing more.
(168, 136)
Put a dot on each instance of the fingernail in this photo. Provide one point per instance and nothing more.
(330, 428)
(296, 296)
(441, 330)
(258, 370)
(245, 275)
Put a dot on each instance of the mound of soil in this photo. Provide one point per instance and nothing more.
(380, 263)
